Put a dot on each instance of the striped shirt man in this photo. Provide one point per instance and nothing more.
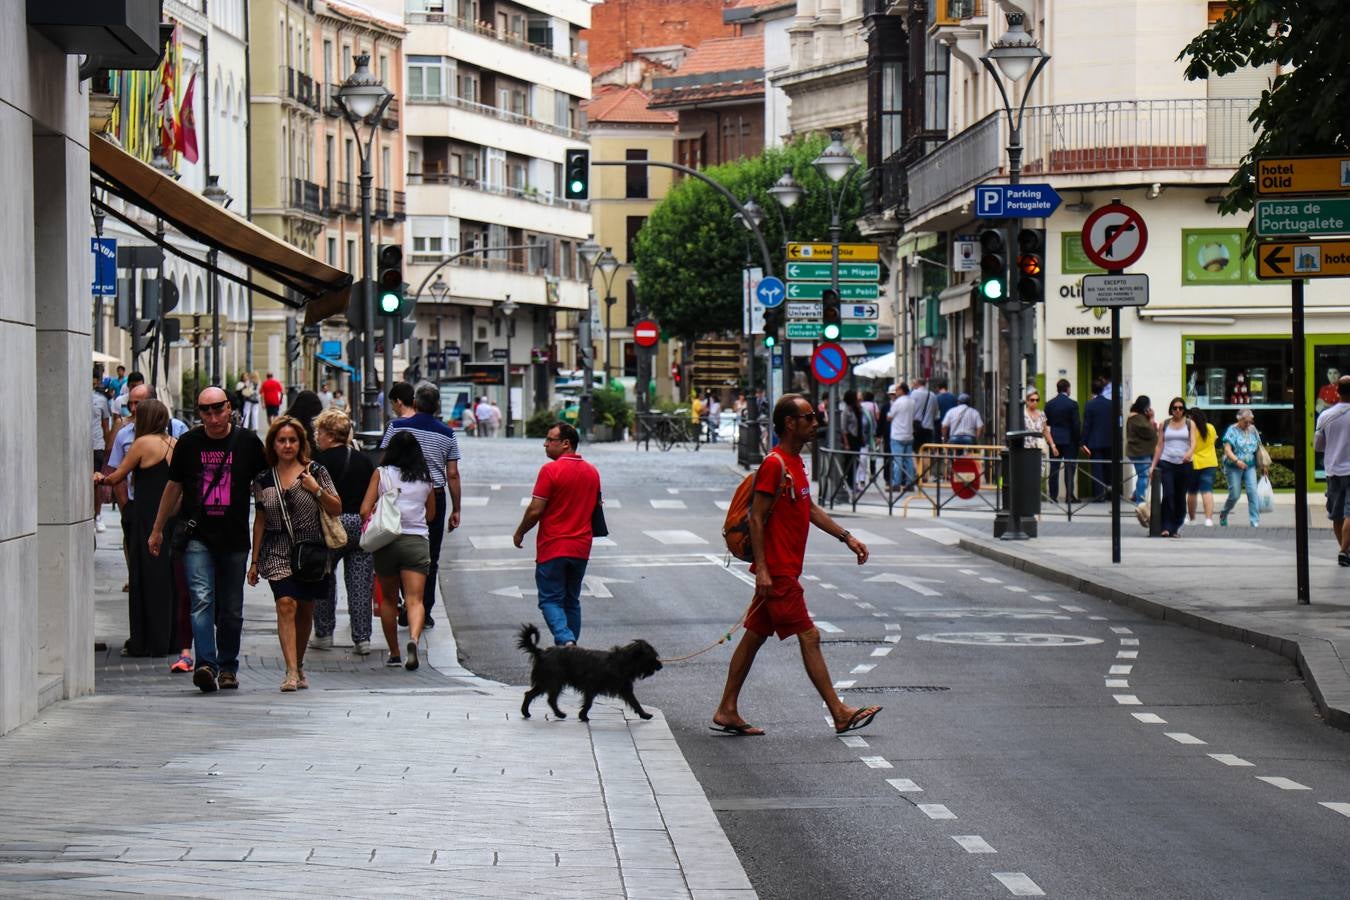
(437, 440)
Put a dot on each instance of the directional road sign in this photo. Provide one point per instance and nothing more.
(1115, 290)
(859, 310)
(1303, 175)
(803, 331)
(814, 290)
(818, 252)
(1015, 201)
(859, 331)
(1307, 217)
(829, 363)
(1114, 236)
(1316, 259)
(820, 271)
(804, 309)
(770, 291)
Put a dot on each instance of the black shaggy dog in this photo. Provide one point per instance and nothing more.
(594, 673)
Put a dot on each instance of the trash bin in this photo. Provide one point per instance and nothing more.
(1016, 520)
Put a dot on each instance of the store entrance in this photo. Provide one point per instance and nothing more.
(1094, 361)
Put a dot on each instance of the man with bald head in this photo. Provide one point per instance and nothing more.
(212, 472)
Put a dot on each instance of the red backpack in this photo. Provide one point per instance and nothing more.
(736, 526)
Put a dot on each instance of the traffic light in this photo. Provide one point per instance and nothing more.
(141, 330)
(675, 373)
(293, 347)
(1031, 265)
(771, 328)
(830, 315)
(577, 174)
(168, 296)
(389, 283)
(993, 267)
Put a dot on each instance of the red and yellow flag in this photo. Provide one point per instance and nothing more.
(186, 139)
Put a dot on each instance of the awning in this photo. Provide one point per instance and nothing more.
(954, 299)
(337, 364)
(325, 289)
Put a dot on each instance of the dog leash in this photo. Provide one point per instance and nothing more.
(720, 641)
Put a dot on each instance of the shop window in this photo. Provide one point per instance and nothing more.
(1225, 374)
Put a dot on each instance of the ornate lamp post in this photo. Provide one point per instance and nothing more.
(589, 251)
(508, 309)
(608, 264)
(218, 195)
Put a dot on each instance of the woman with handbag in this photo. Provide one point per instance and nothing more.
(351, 471)
(1172, 462)
(401, 500)
(1241, 446)
(288, 538)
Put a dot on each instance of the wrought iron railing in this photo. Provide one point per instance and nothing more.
(304, 195)
(504, 115)
(532, 194)
(486, 29)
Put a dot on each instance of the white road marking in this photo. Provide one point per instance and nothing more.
(1116, 683)
(828, 587)
(1014, 588)
(1072, 608)
(828, 628)
(614, 504)
(675, 536)
(492, 542)
(1342, 808)
(474, 501)
(936, 811)
(944, 536)
(603, 541)
(1118, 629)
(1044, 598)
(973, 843)
(723, 505)
(1127, 699)
(880, 615)
(989, 579)
(875, 762)
(1229, 759)
(672, 490)
(1127, 654)
(810, 577)
(905, 786)
(494, 487)
(1150, 718)
(1096, 618)
(862, 669)
(1121, 670)
(912, 582)
(850, 597)
(1182, 737)
(892, 626)
(844, 684)
(870, 539)
(852, 740)
(668, 504)
(862, 605)
(1129, 642)
(1284, 784)
(881, 651)
(892, 638)
(1019, 885)
(969, 572)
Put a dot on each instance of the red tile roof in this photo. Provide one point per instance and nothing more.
(627, 105)
(717, 69)
(728, 54)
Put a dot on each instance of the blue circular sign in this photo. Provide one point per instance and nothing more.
(829, 363)
(770, 292)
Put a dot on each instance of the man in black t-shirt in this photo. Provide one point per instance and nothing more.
(212, 470)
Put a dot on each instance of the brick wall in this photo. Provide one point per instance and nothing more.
(620, 26)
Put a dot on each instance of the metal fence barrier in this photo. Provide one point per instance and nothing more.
(668, 430)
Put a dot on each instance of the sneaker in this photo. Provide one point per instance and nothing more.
(99, 526)
(361, 648)
(402, 617)
(429, 624)
(1209, 523)
(321, 642)
(182, 664)
(205, 678)
(394, 662)
(228, 681)
(1223, 520)
(1343, 558)
(412, 663)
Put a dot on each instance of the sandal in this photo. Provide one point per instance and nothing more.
(302, 682)
(290, 683)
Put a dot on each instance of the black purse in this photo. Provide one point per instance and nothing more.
(598, 526)
(310, 560)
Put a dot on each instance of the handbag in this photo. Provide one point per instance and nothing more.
(181, 530)
(310, 560)
(1262, 457)
(385, 522)
(334, 534)
(598, 526)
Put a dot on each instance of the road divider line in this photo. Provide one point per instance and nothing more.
(1228, 759)
(892, 638)
(1072, 608)
(848, 596)
(862, 669)
(1150, 718)
(1182, 737)
(840, 685)
(1019, 885)
(852, 740)
(1014, 588)
(863, 605)
(1120, 629)
(936, 811)
(1127, 654)
(875, 762)
(882, 651)
(1284, 784)
(892, 626)
(1127, 699)
(1117, 683)
(828, 628)
(1044, 598)
(906, 786)
(973, 843)
(1342, 808)
(1121, 670)
(1129, 642)
(829, 587)
(989, 579)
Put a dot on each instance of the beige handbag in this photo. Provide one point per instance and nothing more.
(334, 534)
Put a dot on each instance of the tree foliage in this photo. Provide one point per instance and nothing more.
(690, 253)
(1302, 111)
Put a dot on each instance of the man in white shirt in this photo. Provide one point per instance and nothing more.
(1332, 440)
(483, 413)
(714, 418)
(902, 437)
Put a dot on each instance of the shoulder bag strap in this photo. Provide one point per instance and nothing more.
(281, 497)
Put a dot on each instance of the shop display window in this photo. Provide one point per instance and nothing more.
(1224, 374)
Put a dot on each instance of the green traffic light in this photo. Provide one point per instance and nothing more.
(578, 186)
(389, 303)
(770, 340)
(830, 332)
(992, 289)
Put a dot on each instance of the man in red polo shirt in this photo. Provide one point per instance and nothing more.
(781, 514)
(272, 393)
(565, 494)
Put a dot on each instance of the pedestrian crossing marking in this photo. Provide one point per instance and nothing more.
(1284, 784)
(1229, 759)
(675, 536)
(668, 504)
(1019, 885)
(904, 785)
(870, 539)
(936, 811)
(492, 542)
(1182, 737)
(973, 843)
(474, 501)
(1150, 718)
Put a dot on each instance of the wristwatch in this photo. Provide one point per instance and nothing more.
(843, 538)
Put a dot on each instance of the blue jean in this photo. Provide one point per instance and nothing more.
(559, 584)
(1237, 480)
(1141, 467)
(215, 580)
(902, 462)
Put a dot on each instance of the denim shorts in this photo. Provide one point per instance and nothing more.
(1201, 481)
(1338, 494)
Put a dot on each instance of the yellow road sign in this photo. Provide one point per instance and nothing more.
(1306, 259)
(821, 252)
(1303, 175)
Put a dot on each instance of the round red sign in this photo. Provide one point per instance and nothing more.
(965, 477)
(646, 333)
(1114, 237)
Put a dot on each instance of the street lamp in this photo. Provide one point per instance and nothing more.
(837, 166)
(364, 97)
(608, 264)
(786, 191)
(439, 289)
(589, 251)
(221, 197)
(508, 309)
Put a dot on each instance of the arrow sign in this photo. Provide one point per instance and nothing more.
(1015, 201)
(814, 290)
(820, 271)
(1278, 259)
(1306, 259)
(859, 310)
(770, 292)
(915, 584)
(821, 251)
(591, 586)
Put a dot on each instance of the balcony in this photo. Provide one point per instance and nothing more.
(301, 88)
(501, 115)
(303, 196)
(531, 194)
(381, 208)
(485, 29)
(1089, 138)
(949, 13)
(400, 211)
(346, 199)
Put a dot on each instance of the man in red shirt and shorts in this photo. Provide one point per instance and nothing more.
(781, 514)
(565, 494)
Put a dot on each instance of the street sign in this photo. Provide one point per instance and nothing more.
(859, 331)
(859, 310)
(1309, 217)
(1319, 259)
(769, 292)
(804, 309)
(1106, 291)
(817, 252)
(814, 290)
(966, 253)
(803, 331)
(537, 354)
(105, 266)
(331, 349)
(1015, 201)
(820, 271)
(646, 333)
(965, 477)
(1303, 175)
(829, 363)
(1114, 236)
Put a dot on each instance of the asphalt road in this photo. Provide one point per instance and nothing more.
(1033, 740)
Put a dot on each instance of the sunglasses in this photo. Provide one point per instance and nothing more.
(212, 408)
(1033, 398)
(1175, 408)
(812, 416)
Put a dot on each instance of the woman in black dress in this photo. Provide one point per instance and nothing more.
(351, 471)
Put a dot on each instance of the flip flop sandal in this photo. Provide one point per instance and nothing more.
(742, 730)
(860, 719)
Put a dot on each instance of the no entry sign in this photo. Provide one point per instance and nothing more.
(1114, 236)
(646, 333)
(965, 477)
(829, 363)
